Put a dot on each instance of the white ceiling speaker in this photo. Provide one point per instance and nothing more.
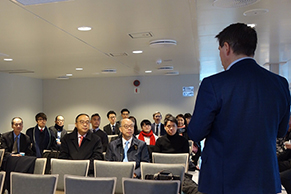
(233, 3)
(162, 43)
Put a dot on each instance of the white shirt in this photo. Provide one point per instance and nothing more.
(124, 142)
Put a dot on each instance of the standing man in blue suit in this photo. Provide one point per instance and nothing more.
(240, 112)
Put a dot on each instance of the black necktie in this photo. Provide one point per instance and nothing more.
(15, 146)
(113, 129)
(157, 129)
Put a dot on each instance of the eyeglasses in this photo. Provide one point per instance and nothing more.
(60, 120)
(127, 126)
(113, 117)
(84, 122)
(171, 126)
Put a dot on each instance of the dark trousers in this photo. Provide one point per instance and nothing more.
(286, 180)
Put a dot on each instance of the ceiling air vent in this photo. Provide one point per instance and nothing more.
(166, 68)
(162, 43)
(233, 3)
(36, 2)
(17, 71)
(172, 73)
(108, 71)
(63, 77)
(117, 54)
(141, 35)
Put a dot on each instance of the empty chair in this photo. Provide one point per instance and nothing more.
(25, 183)
(171, 158)
(133, 186)
(111, 137)
(114, 169)
(153, 168)
(2, 152)
(39, 167)
(71, 167)
(89, 185)
(2, 178)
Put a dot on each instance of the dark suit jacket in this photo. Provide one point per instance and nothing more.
(137, 152)
(91, 148)
(104, 138)
(108, 130)
(240, 112)
(7, 141)
(162, 128)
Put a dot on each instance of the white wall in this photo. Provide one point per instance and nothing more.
(90, 95)
(19, 96)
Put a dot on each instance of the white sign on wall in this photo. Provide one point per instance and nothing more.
(188, 91)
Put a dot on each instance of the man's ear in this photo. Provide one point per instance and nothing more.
(227, 48)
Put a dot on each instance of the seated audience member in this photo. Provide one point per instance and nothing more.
(280, 146)
(125, 113)
(182, 126)
(127, 147)
(41, 137)
(172, 142)
(58, 129)
(157, 126)
(133, 119)
(187, 116)
(112, 128)
(81, 144)
(147, 134)
(15, 142)
(95, 123)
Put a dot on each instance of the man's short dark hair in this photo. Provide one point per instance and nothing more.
(95, 115)
(12, 121)
(81, 115)
(170, 118)
(124, 110)
(241, 38)
(187, 115)
(40, 115)
(146, 122)
(110, 112)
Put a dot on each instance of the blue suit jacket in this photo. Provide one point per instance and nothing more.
(240, 112)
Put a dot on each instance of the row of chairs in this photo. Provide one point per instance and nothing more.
(110, 169)
(23, 183)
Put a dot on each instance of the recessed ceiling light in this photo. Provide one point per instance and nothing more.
(8, 59)
(251, 25)
(149, 71)
(69, 75)
(79, 69)
(84, 28)
(136, 52)
(255, 12)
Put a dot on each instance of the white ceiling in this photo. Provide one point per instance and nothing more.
(44, 38)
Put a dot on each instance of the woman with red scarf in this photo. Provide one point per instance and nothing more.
(147, 134)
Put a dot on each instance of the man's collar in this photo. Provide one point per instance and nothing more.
(234, 62)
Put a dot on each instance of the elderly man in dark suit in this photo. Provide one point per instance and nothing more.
(240, 112)
(81, 144)
(14, 142)
(127, 147)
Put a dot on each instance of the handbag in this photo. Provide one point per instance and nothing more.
(162, 175)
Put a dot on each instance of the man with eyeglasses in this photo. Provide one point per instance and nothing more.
(158, 127)
(81, 144)
(58, 129)
(40, 136)
(113, 127)
(15, 142)
(128, 147)
(172, 142)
